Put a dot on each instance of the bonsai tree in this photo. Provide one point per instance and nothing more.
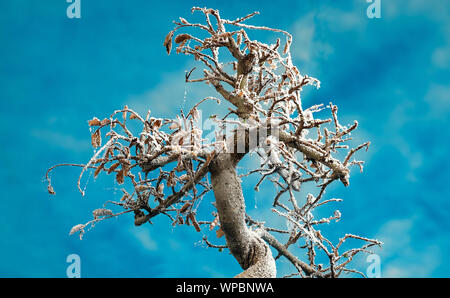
(167, 166)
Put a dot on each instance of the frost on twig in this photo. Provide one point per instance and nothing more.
(163, 163)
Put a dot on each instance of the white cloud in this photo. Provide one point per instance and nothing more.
(307, 46)
(401, 256)
(412, 7)
(65, 141)
(438, 13)
(401, 116)
(438, 98)
(142, 235)
(441, 58)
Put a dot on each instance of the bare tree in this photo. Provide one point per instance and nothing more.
(169, 166)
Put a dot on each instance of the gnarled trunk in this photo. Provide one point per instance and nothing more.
(252, 253)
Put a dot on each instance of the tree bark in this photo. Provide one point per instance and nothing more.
(252, 253)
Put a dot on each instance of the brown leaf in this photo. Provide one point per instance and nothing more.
(133, 116)
(219, 233)
(120, 177)
(182, 38)
(194, 222)
(124, 197)
(98, 170)
(168, 42)
(156, 124)
(113, 167)
(105, 121)
(94, 122)
(140, 188)
(96, 139)
(185, 207)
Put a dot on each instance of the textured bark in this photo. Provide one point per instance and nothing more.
(252, 253)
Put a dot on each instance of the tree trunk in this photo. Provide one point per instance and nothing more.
(252, 253)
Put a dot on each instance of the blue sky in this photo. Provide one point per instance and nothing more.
(391, 74)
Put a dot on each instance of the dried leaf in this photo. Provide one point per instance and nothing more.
(157, 124)
(105, 121)
(94, 122)
(96, 139)
(141, 187)
(77, 228)
(113, 167)
(194, 222)
(97, 161)
(102, 212)
(124, 197)
(182, 38)
(168, 42)
(185, 207)
(120, 177)
(98, 170)
(219, 233)
(133, 116)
